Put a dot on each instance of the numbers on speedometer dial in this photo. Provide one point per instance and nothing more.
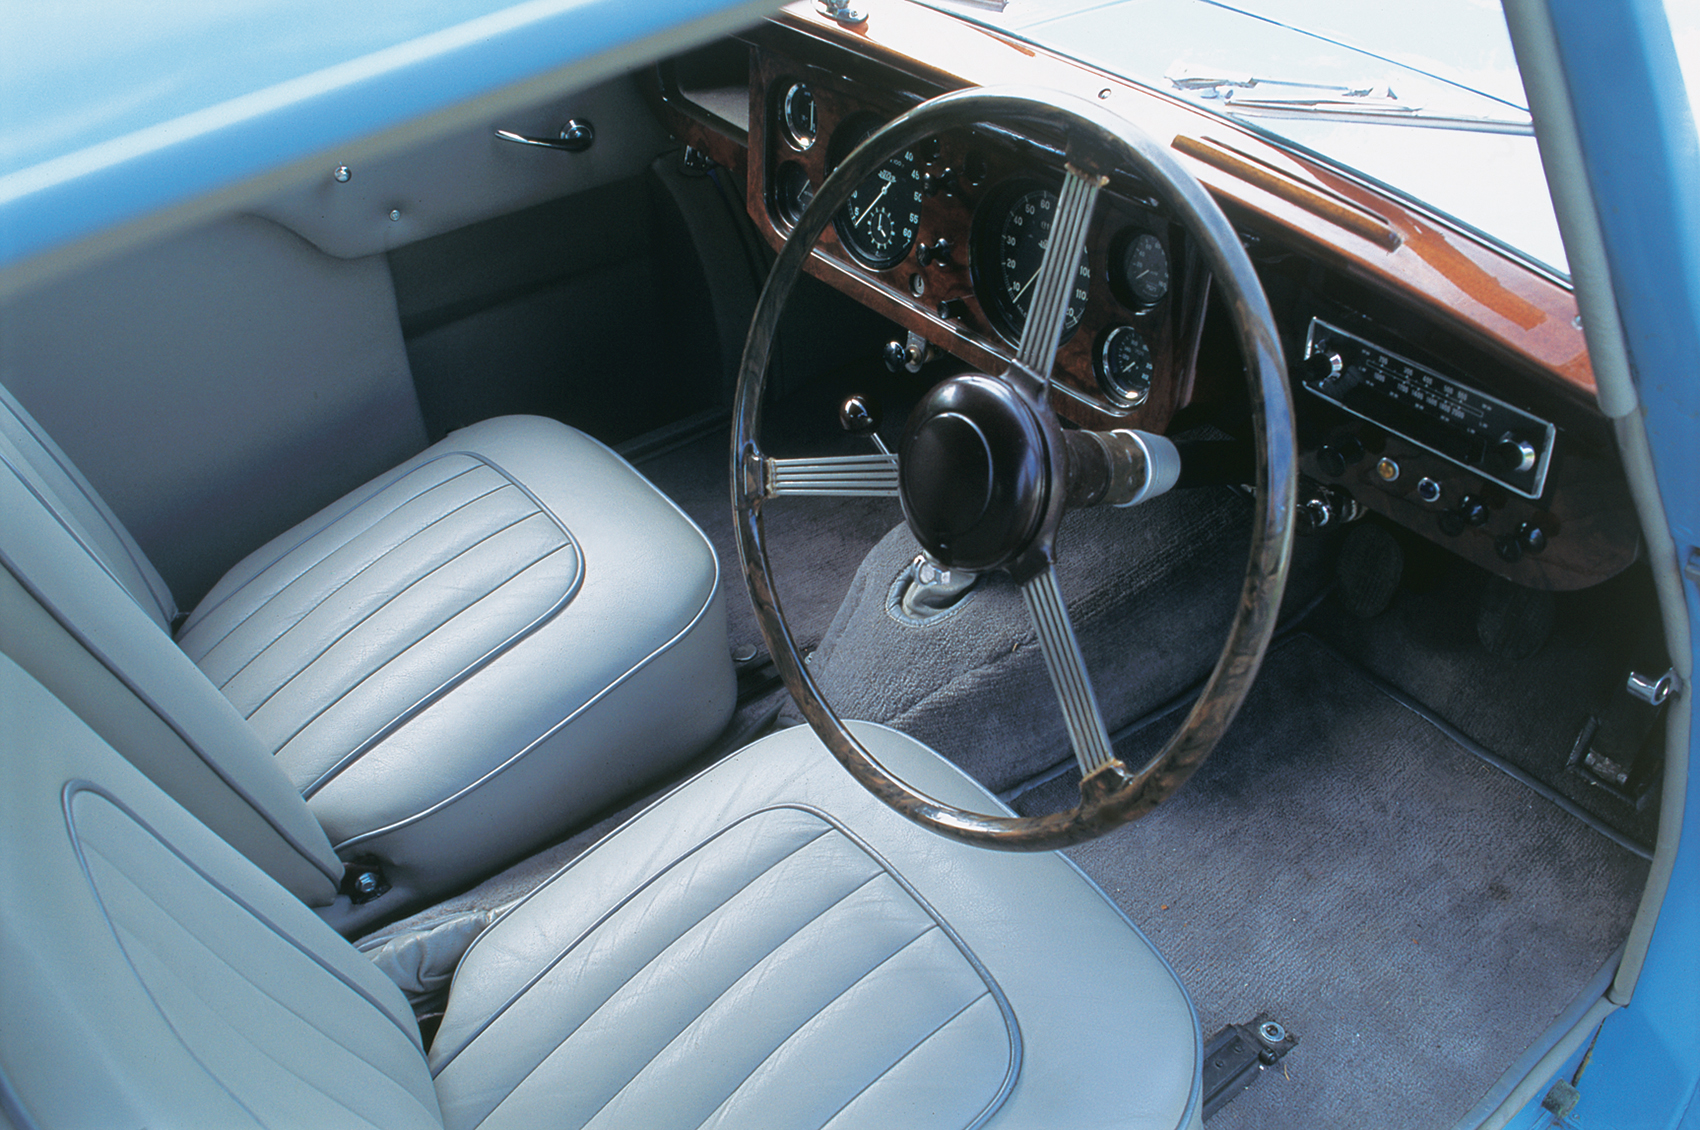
(878, 225)
(1012, 232)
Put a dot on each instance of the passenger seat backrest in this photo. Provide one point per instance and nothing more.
(80, 612)
(51, 476)
(152, 976)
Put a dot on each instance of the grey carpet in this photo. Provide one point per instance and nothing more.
(1528, 710)
(1150, 591)
(1416, 916)
(814, 544)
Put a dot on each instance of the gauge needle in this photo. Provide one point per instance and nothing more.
(1024, 286)
(886, 187)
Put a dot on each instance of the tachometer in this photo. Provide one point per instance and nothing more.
(1011, 231)
(878, 225)
(1125, 366)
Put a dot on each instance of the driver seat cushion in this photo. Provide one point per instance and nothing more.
(188, 988)
(770, 945)
(493, 642)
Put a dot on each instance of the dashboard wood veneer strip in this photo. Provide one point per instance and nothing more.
(1319, 201)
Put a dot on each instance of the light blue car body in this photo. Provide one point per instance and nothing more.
(121, 121)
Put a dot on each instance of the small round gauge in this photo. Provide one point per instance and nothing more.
(1010, 240)
(792, 191)
(879, 222)
(1143, 267)
(797, 114)
(1125, 366)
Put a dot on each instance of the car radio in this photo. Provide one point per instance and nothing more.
(1495, 440)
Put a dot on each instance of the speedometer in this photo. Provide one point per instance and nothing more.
(1011, 231)
(878, 224)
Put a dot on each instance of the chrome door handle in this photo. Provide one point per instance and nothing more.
(576, 137)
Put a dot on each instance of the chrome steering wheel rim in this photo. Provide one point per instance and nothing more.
(1098, 142)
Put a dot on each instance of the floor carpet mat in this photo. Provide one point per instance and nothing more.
(814, 544)
(1414, 915)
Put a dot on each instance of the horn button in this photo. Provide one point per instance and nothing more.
(973, 473)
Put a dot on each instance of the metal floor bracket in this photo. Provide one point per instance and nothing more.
(1237, 1055)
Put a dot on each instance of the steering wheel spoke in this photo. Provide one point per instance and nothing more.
(835, 476)
(1057, 273)
(1067, 668)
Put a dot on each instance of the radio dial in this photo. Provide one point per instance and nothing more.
(1513, 456)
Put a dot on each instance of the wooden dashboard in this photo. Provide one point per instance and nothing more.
(1430, 298)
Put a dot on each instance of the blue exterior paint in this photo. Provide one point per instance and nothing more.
(1639, 144)
(112, 109)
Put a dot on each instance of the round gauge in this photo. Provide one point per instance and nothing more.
(792, 191)
(1011, 235)
(1125, 366)
(1144, 270)
(878, 224)
(797, 113)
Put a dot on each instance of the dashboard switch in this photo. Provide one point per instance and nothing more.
(1470, 511)
(1387, 470)
(1531, 537)
(1324, 507)
(938, 252)
(1337, 455)
(1428, 489)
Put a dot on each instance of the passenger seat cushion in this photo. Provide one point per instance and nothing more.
(502, 636)
(769, 945)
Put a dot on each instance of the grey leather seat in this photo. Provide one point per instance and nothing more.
(455, 663)
(765, 946)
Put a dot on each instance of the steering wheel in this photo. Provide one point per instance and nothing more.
(985, 470)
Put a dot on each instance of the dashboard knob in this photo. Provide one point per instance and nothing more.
(1337, 455)
(932, 184)
(858, 415)
(1470, 511)
(1321, 365)
(938, 252)
(1513, 456)
(1531, 537)
(1324, 508)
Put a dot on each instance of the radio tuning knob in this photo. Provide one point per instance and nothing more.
(1322, 364)
(1513, 456)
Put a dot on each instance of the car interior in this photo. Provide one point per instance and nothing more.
(392, 563)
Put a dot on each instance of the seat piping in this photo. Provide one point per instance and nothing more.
(625, 900)
(167, 606)
(68, 796)
(1011, 1024)
(521, 754)
(237, 626)
(165, 718)
(77, 537)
